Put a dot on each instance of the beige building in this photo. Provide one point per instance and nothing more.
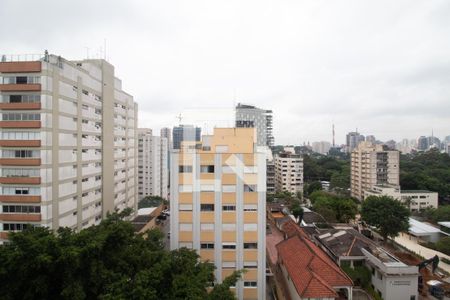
(372, 165)
(153, 167)
(288, 172)
(415, 200)
(68, 143)
(218, 204)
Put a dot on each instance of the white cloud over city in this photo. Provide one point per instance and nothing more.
(380, 66)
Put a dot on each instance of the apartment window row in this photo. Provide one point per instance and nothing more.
(21, 153)
(20, 135)
(25, 209)
(247, 265)
(232, 245)
(210, 169)
(226, 188)
(28, 98)
(21, 79)
(21, 117)
(210, 207)
(21, 190)
(224, 227)
(18, 172)
(15, 226)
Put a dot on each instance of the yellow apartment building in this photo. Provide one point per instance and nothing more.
(218, 204)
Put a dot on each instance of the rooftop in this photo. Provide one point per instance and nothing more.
(418, 228)
(313, 273)
(416, 192)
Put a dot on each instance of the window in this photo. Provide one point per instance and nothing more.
(229, 188)
(250, 169)
(207, 187)
(20, 172)
(250, 264)
(185, 226)
(250, 207)
(229, 227)
(207, 169)
(21, 190)
(250, 284)
(206, 207)
(250, 245)
(185, 188)
(207, 226)
(15, 226)
(229, 208)
(21, 117)
(249, 187)
(221, 148)
(185, 245)
(185, 207)
(185, 169)
(228, 245)
(228, 170)
(229, 265)
(25, 209)
(251, 227)
(207, 246)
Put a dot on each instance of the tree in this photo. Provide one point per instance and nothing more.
(151, 201)
(108, 261)
(443, 245)
(386, 214)
(332, 207)
(297, 211)
(313, 186)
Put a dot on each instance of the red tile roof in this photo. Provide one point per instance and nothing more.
(313, 273)
(291, 229)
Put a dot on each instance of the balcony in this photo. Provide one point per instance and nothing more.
(19, 106)
(21, 217)
(20, 143)
(20, 124)
(21, 66)
(20, 198)
(32, 87)
(20, 161)
(20, 180)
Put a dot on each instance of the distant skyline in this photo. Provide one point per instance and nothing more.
(380, 66)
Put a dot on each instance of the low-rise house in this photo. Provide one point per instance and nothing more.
(391, 278)
(307, 270)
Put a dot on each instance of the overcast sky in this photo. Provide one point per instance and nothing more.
(380, 66)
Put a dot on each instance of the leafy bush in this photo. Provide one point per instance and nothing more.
(359, 274)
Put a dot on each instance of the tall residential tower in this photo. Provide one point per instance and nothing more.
(249, 116)
(218, 205)
(68, 143)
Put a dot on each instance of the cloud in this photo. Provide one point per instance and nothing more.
(381, 66)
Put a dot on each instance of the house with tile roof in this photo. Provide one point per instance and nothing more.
(308, 271)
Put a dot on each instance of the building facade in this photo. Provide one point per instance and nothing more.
(217, 204)
(289, 172)
(153, 166)
(68, 143)
(373, 165)
(352, 140)
(185, 133)
(415, 200)
(248, 116)
(321, 147)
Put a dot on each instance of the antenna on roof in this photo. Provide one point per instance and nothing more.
(104, 53)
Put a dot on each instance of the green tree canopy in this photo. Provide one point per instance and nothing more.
(151, 201)
(333, 208)
(108, 261)
(385, 213)
(443, 245)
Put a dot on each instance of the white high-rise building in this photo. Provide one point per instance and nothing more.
(249, 116)
(68, 143)
(373, 165)
(289, 172)
(321, 147)
(153, 170)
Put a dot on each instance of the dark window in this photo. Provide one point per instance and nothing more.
(207, 207)
(250, 283)
(250, 245)
(249, 188)
(228, 246)
(228, 208)
(207, 169)
(21, 80)
(15, 98)
(185, 169)
(207, 246)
